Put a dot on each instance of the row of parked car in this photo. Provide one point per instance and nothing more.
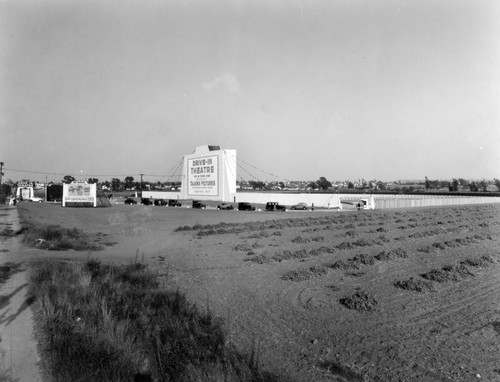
(270, 206)
(156, 202)
(242, 206)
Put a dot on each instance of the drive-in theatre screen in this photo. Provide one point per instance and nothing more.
(203, 176)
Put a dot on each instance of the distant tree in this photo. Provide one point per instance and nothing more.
(257, 184)
(463, 182)
(323, 183)
(313, 185)
(427, 183)
(497, 183)
(282, 185)
(5, 191)
(68, 179)
(116, 184)
(350, 185)
(473, 186)
(483, 186)
(453, 186)
(380, 185)
(129, 182)
(92, 180)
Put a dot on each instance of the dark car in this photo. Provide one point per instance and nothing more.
(275, 206)
(130, 201)
(146, 202)
(198, 204)
(299, 206)
(174, 203)
(243, 206)
(225, 206)
(160, 202)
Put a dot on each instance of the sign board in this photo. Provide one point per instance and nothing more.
(203, 176)
(24, 193)
(79, 193)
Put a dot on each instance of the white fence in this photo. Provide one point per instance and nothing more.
(408, 201)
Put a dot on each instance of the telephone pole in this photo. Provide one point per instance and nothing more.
(141, 183)
(1, 171)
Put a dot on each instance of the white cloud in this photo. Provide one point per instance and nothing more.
(226, 82)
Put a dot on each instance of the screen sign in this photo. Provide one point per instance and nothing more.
(203, 176)
(79, 193)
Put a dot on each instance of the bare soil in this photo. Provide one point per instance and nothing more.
(383, 295)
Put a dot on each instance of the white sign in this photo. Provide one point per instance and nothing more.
(203, 176)
(79, 192)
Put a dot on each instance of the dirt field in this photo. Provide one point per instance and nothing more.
(401, 295)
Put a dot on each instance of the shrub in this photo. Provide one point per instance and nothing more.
(56, 238)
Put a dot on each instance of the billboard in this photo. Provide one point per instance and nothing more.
(203, 176)
(79, 193)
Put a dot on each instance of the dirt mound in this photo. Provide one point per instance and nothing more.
(259, 259)
(320, 251)
(245, 247)
(305, 274)
(360, 301)
(300, 240)
(288, 255)
(482, 262)
(415, 285)
(353, 263)
(393, 254)
(448, 273)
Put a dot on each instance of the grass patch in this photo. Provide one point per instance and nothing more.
(97, 322)
(56, 238)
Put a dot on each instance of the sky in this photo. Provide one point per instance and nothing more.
(300, 88)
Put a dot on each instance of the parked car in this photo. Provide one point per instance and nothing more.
(198, 204)
(299, 206)
(160, 202)
(275, 206)
(130, 201)
(225, 206)
(35, 199)
(146, 201)
(174, 203)
(243, 206)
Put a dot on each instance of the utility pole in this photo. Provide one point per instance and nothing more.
(1, 171)
(141, 183)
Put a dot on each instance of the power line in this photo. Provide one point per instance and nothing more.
(80, 174)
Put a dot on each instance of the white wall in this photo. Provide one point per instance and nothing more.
(381, 201)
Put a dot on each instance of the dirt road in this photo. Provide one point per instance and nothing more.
(18, 352)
